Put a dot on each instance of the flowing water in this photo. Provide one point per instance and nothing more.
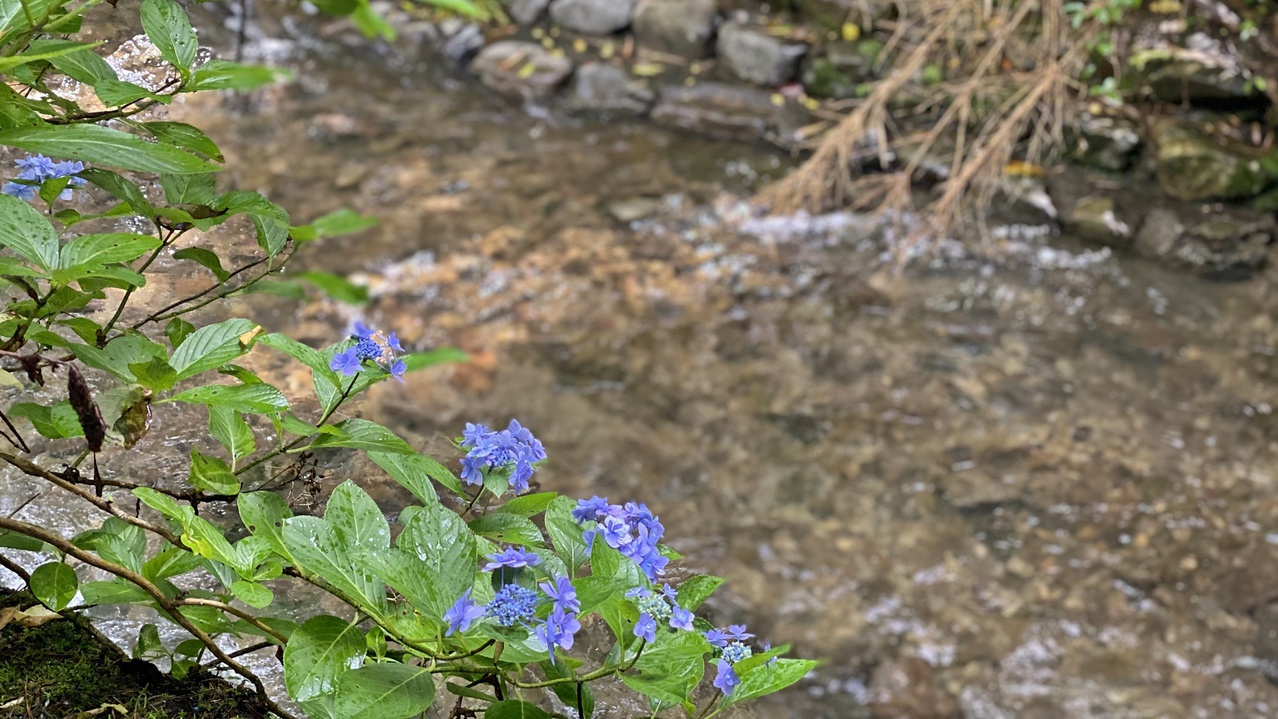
(1037, 481)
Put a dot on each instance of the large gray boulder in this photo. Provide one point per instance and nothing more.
(521, 69)
(593, 17)
(753, 55)
(679, 27)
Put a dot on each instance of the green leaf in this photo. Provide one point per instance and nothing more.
(567, 693)
(199, 189)
(177, 330)
(205, 258)
(695, 590)
(117, 92)
(148, 643)
(156, 375)
(26, 231)
(441, 355)
(334, 224)
(228, 427)
(105, 249)
(54, 584)
(172, 562)
(164, 504)
(56, 422)
(514, 710)
(121, 188)
(116, 591)
(14, 14)
(225, 75)
(119, 354)
(263, 513)
(252, 593)
(508, 528)
(388, 690)
(371, 23)
(528, 505)
(565, 533)
(437, 560)
(185, 136)
(336, 287)
(104, 146)
(210, 474)
(46, 50)
(765, 680)
(167, 26)
(414, 472)
(363, 434)
(201, 537)
(356, 520)
(13, 540)
(241, 398)
(318, 654)
(210, 346)
(317, 549)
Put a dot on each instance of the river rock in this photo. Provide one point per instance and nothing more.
(503, 66)
(1106, 142)
(839, 69)
(752, 55)
(1227, 245)
(607, 88)
(593, 17)
(526, 12)
(728, 112)
(1203, 72)
(462, 45)
(1095, 218)
(1194, 166)
(906, 689)
(679, 27)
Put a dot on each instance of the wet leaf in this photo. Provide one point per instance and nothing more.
(54, 584)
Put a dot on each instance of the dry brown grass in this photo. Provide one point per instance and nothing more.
(1010, 67)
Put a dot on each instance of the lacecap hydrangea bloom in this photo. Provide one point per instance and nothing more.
(514, 450)
(36, 169)
(631, 529)
(370, 346)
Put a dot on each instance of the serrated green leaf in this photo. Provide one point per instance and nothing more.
(210, 346)
(318, 654)
(26, 231)
(414, 472)
(168, 28)
(105, 249)
(121, 188)
(54, 584)
(263, 513)
(104, 146)
(56, 422)
(226, 75)
(196, 189)
(210, 474)
(514, 710)
(228, 427)
(148, 643)
(185, 136)
(695, 590)
(387, 690)
(317, 549)
(507, 528)
(177, 330)
(529, 505)
(241, 398)
(206, 259)
(764, 680)
(156, 375)
(116, 591)
(172, 562)
(252, 593)
(119, 353)
(363, 434)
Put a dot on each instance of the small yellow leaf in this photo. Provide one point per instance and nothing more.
(538, 33)
(1019, 168)
(579, 46)
(247, 337)
(1164, 7)
(695, 68)
(8, 380)
(556, 52)
(526, 70)
(647, 69)
(811, 103)
(689, 81)
(851, 31)
(777, 99)
(607, 50)
(547, 43)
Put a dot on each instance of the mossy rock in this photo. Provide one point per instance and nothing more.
(1192, 166)
(841, 70)
(62, 668)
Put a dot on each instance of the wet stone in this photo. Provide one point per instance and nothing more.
(1096, 218)
(1203, 72)
(521, 69)
(526, 12)
(752, 55)
(593, 17)
(718, 110)
(1193, 166)
(1107, 143)
(606, 88)
(679, 27)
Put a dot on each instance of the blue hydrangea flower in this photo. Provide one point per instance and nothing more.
(735, 652)
(737, 632)
(513, 605)
(36, 169)
(646, 628)
(368, 349)
(563, 594)
(681, 618)
(348, 362)
(363, 331)
(717, 638)
(397, 369)
(655, 606)
(462, 614)
(513, 450)
(558, 630)
(616, 532)
(592, 509)
(726, 680)
(513, 557)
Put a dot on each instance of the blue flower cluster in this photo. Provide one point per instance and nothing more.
(513, 449)
(370, 345)
(38, 168)
(730, 648)
(631, 529)
(655, 608)
(517, 605)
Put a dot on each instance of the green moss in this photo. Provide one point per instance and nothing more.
(62, 668)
